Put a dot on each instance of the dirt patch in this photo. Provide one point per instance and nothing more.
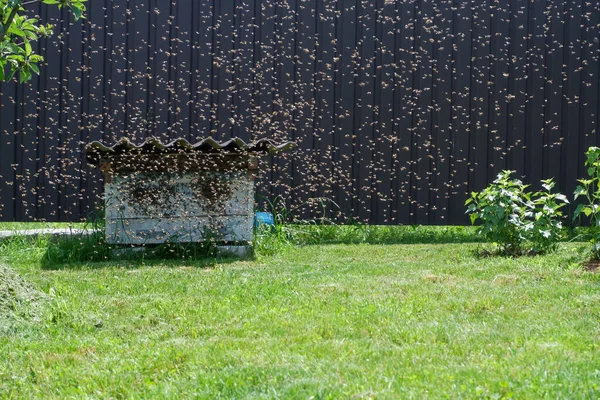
(592, 266)
(19, 301)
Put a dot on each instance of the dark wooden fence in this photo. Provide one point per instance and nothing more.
(399, 108)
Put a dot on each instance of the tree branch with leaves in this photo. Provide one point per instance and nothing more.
(18, 30)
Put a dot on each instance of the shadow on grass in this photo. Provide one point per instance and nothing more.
(91, 251)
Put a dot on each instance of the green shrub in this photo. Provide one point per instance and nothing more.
(589, 189)
(516, 220)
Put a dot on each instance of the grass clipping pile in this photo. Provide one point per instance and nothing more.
(20, 302)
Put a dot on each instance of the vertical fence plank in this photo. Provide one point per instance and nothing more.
(499, 73)
(384, 125)
(202, 83)
(403, 111)
(304, 160)
(7, 149)
(139, 119)
(184, 27)
(72, 133)
(324, 112)
(346, 197)
(517, 82)
(441, 119)
(480, 74)
(365, 113)
(422, 119)
(571, 99)
(461, 111)
(534, 134)
(589, 73)
(554, 90)
(224, 66)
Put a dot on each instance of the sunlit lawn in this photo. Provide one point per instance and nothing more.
(15, 226)
(327, 321)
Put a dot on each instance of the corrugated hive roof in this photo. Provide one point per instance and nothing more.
(95, 151)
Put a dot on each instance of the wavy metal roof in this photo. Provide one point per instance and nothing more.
(95, 151)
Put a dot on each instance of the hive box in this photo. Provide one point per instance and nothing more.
(179, 192)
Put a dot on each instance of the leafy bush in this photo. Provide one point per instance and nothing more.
(517, 220)
(546, 227)
(590, 190)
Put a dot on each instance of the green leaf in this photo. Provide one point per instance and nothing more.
(77, 13)
(34, 68)
(562, 197)
(579, 191)
(24, 75)
(473, 218)
(12, 73)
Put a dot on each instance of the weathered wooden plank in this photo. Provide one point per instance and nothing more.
(162, 195)
(180, 230)
(144, 208)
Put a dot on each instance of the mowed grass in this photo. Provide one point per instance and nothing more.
(315, 321)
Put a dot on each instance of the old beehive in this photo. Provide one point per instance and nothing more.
(179, 192)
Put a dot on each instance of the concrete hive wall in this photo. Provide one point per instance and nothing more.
(194, 206)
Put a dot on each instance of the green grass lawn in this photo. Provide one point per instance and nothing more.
(316, 321)
(16, 226)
